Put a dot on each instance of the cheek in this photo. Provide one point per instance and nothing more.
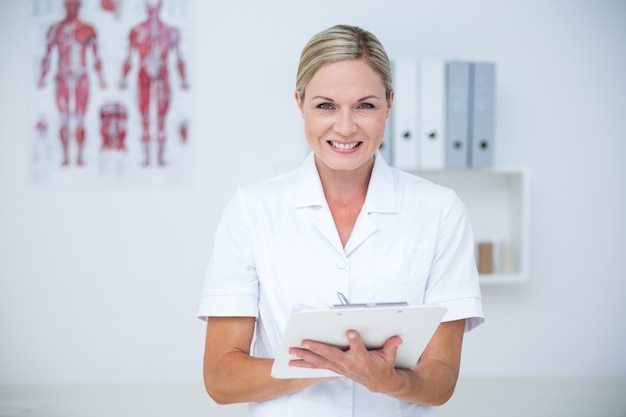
(314, 126)
(311, 133)
(375, 128)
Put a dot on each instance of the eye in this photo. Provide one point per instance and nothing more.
(366, 106)
(325, 106)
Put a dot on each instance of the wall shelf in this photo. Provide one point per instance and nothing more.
(497, 205)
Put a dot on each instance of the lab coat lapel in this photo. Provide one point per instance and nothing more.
(310, 195)
(363, 228)
(380, 199)
(326, 225)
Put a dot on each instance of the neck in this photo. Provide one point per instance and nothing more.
(345, 187)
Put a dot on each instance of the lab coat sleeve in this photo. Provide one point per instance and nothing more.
(453, 280)
(231, 284)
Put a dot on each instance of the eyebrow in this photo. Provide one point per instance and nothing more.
(359, 100)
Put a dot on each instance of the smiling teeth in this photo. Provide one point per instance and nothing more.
(344, 146)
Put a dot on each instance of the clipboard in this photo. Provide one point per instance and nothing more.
(375, 324)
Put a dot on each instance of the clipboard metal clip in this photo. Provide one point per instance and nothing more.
(345, 303)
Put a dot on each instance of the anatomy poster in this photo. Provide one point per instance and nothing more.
(111, 96)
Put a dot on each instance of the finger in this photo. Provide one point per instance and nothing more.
(355, 342)
(307, 359)
(390, 349)
(393, 341)
(299, 363)
(323, 350)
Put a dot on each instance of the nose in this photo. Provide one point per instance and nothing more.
(345, 124)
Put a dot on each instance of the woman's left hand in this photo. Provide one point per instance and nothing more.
(375, 369)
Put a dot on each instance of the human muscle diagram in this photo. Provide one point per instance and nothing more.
(110, 92)
(152, 41)
(113, 126)
(72, 39)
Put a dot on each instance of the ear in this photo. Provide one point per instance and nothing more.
(299, 102)
(392, 94)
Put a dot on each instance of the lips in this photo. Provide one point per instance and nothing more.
(344, 146)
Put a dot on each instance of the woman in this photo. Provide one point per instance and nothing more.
(344, 221)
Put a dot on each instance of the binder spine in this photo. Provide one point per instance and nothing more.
(405, 142)
(482, 111)
(457, 114)
(432, 97)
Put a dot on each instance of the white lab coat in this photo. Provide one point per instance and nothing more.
(277, 248)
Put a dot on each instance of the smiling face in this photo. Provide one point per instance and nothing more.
(344, 110)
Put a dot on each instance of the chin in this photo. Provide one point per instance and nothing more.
(344, 162)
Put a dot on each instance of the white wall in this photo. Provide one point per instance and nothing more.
(101, 284)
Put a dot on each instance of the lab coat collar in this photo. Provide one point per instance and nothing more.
(309, 192)
(380, 194)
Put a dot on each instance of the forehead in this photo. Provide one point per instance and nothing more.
(346, 75)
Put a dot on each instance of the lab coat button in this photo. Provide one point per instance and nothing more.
(340, 265)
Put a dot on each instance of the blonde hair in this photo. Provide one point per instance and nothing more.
(339, 43)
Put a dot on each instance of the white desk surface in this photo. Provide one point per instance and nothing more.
(474, 397)
(537, 397)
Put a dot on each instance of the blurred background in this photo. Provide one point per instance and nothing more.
(100, 283)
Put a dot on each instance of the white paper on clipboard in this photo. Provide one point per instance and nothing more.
(414, 324)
